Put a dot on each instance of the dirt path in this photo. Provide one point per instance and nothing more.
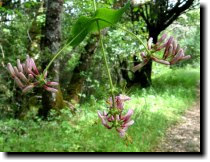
(184, 136)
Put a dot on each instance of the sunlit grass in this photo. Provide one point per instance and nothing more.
(156, 108)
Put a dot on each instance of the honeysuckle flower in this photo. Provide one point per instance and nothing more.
(119, 101)
(173, 53)
(104, 119)
(144, 62)
(122, 130)
(127, 116)
(27, 76)
(116, 119)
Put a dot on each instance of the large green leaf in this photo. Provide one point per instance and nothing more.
(110, 15)
(85, 25)
(80, 30)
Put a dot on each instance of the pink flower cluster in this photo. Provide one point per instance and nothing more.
(173, 53)
(27, 76)
(118, 120)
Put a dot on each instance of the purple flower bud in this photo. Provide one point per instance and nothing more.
(178, 56)
(52, 83)
(19, 65)
(162, 38)
(177, 49)
(165, 54)
(53, 90)
(121, 132)
(104, 113)
(186, 57)
(23, 77)
(128, 115)
(161, 47)
(11, 70)
(16, 71)
(31, 72)
(28, 88)
(103, 120)
(34, 66)
(18, 82)
(174, 47)
(30, 77)
(24, 68)
(129, 123)
(28, 63)
(149, 43)
(160, 61)
(139, 66)
(110, 119)
(170, 40)
(170, 50)
(124, 97)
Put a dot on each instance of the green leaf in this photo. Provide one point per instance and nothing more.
(85, 25)
(110, 15)
(80, 30)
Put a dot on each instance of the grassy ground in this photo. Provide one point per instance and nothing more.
(156, 108)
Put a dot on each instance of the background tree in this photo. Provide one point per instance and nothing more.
(50, 44)
(157, 15)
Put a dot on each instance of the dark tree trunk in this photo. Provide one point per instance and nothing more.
(77, 81)
(124, 72)
(51, 42)
(158, 16)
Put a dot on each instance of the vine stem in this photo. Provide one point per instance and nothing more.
(59, 52)
(105, 58)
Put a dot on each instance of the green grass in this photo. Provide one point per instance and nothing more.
(156, 108)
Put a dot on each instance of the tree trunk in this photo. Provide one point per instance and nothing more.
(51, 42)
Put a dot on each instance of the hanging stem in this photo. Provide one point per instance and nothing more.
(105, 58)
(107, 67)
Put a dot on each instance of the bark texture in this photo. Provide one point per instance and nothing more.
(51, 42)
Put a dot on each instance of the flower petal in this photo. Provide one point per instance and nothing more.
(160, 61)
(30, 77)
(129, 123)
(19, 65)
(178, 56)
(186, 57)
(52, 83)
(11, 70)
(18, 82)
(34, 66)
(53, 90)
(128, 115)
(28, 88)
(139, 66)
(103, 120)
(23, 77)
